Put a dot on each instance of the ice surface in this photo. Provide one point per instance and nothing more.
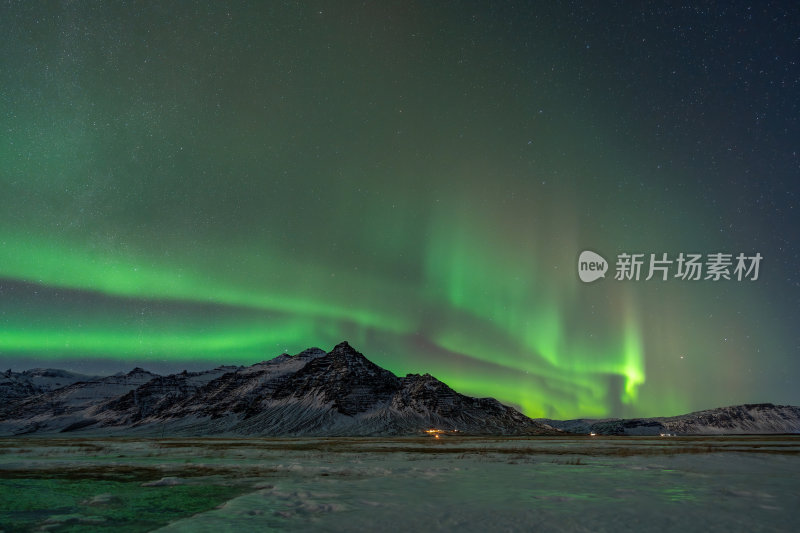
(469, 484)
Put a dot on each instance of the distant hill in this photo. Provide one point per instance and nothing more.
(764, 418)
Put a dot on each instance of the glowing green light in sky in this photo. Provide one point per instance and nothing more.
(229, 183)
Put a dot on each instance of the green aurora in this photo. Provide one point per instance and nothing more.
(217, 185)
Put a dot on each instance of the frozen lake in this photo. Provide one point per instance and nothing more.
(365, 484)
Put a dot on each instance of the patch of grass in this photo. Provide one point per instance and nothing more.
(66, 505)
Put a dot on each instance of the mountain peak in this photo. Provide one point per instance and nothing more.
(139, 371)
(346, 353)
(345, 356)
(344, 347)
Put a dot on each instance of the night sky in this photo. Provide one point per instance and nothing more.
(194, 184)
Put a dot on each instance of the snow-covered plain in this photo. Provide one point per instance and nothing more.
(742, 483)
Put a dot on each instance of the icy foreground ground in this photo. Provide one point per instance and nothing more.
(363, 484)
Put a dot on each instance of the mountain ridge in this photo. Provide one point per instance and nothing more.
(760, 418)
(313, 393)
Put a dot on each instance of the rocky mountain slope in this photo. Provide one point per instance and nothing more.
(312, 393)
(19, 385)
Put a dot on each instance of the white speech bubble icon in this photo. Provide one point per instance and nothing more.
(591, 266)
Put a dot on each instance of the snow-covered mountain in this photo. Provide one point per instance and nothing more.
(338, 393)
(19, 385)
(312, 393)
(764, 418)
(65, 407)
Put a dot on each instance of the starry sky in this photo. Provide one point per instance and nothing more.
(188, 185)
